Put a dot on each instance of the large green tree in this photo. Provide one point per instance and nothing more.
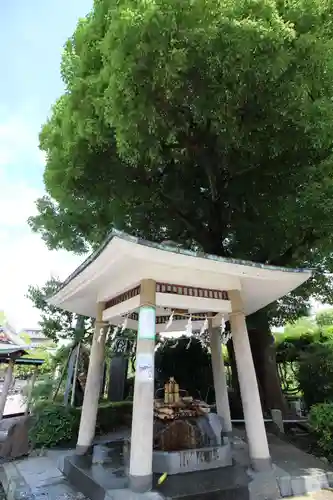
(208, 123)
(56, 323)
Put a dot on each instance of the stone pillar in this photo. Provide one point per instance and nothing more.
(220, 381)
(93, 384)
(6, 386)
(278, 420)
(254, 420)
(31, 386)
(141, 457)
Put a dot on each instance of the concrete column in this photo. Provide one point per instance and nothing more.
(220, 381)
(31, 386)
(6, 386)
(254, 420)
(141, 457)
(93, 384)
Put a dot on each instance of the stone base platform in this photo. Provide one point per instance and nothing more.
(103, 476)
(95, 479)
(185, 461)
(227, 483)
(105, 482)
(294, 473)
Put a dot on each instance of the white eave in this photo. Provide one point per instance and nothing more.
(123, 261)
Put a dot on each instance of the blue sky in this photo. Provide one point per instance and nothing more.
(32, 34)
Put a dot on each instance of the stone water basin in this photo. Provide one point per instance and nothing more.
(190, 445)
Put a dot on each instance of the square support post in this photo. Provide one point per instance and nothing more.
(220, 380)
(31, 388)
(141, 457)
(254, 420)
(6, 385)
(93, 384)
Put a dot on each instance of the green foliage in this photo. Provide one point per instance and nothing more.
(289, 349)
(26, 371)
(315, 374)
(303, 326)
(53, 424)
(300, 343)
(325, 318)
(55, 322)
(299, 335)
(201, 124)
(112, 416)
(321, 422)
(288, 353)
(42, 390)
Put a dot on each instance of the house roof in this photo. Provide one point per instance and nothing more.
(10, 342)
(122, 261)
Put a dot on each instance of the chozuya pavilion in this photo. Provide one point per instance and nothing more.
(147, 282)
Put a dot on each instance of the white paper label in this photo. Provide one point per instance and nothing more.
(145, 367)
(147, 327)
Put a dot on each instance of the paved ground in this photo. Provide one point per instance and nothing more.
(295, 470)
(38, 478)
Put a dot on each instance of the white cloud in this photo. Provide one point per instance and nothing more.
(25, 260)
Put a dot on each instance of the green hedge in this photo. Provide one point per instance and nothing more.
(53, 424)
(321, 422)
(315, 374)
(111, 416)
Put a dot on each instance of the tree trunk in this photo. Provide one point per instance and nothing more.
(263, 352)
(235, 403)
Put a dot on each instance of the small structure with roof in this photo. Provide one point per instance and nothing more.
(36, 337)
(12, 348)
(145, 284)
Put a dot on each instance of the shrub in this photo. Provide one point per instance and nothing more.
(53, 424)
(42, 391)
(315, 374)
(111, 416)
(321, 422)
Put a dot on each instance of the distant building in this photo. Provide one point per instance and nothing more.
(37, 338)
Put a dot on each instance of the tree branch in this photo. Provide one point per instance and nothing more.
(308, 239)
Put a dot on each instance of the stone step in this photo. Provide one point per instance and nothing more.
(228, 483)
(109, 480)
(94, 480)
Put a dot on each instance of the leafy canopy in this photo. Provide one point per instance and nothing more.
(55, 322)
(204, 122)
(299, 336)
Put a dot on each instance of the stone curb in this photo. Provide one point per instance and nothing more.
(15, 486)
(125, 494)
(295, 486)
